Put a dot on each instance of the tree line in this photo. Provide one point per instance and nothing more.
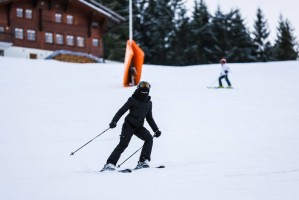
(170, 36)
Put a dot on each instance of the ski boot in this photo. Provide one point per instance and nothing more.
(108, 167)
(143, 164)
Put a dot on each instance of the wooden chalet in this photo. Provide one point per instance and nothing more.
(50, 25)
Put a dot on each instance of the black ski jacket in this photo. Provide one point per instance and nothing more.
(138, 111)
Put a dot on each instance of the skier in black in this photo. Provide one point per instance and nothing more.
(140, 108)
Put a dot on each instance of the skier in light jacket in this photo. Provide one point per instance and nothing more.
(225, 70)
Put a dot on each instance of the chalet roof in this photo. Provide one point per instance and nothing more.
(3, 1)
(104, 10)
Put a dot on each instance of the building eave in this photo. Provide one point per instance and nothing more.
(5, 1)
(103, 10)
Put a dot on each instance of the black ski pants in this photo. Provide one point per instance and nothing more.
(226, 79)
(125, 137)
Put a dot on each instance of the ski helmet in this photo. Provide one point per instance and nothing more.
(144, 84)
(223, 61)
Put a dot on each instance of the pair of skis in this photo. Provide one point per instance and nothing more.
(128, 170)
(220, 87)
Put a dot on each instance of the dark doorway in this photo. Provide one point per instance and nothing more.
(33, 56)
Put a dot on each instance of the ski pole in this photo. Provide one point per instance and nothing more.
(118, 166)
(72, 153)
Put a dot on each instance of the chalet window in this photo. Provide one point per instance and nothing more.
(70, 40)
(95, 24)
(59, 38)
(80, 41)
(2, 29)
(20, 12)
(69, 19)
(95, 42)
(19, 33)
(49, 38)
(31, 35)
(58, 18)
(28, 14)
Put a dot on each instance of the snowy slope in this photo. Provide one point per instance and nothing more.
(239, 144)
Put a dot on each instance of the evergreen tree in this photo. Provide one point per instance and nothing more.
(179, 51)
(169, 37)
(242, 47)
(260, 39)
(142, 26)
(115, 40)
(201, 34)
(155, 30)
(285, 44)
(232, 39)
(138, 20)
(220, 28)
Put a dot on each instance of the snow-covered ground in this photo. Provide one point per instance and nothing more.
(217, 144)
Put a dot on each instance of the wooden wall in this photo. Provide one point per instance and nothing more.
(43, 21)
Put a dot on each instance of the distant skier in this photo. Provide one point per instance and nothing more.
(132, 74)
(140, 108)
(225, 69)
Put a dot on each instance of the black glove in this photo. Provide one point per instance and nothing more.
(112, 124)
(226, 71)
(157, 133)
